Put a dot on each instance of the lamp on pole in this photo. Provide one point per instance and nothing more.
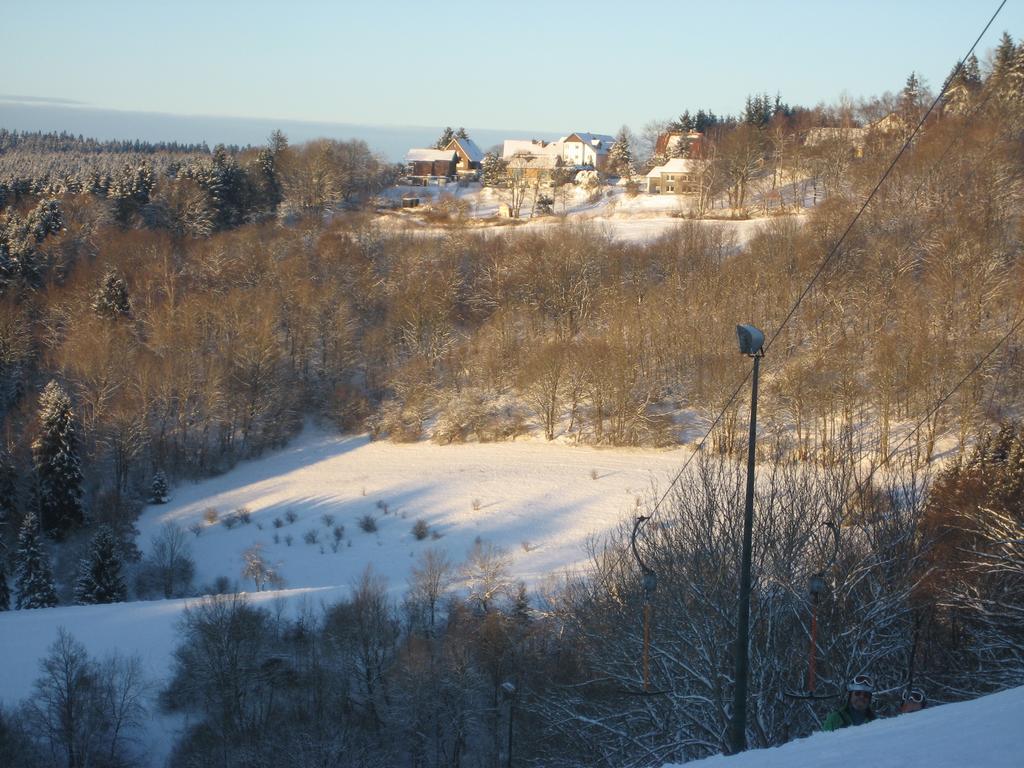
(751, 342)
(509, 689)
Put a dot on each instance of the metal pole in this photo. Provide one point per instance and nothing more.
(811, 670)
(510, 705)
(738, 735)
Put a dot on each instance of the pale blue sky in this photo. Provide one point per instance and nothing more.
(590, 65)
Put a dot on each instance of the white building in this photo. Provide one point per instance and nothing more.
(676, 177)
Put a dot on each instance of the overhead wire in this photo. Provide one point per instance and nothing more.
(821, 268)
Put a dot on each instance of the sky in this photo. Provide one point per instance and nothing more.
(527, 66)
(394, 73)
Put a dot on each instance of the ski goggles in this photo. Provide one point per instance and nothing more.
(861, 683)
(915, 695)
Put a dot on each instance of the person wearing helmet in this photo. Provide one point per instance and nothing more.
(913, 700)
(857, 709)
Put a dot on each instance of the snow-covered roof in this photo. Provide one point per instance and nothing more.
(470, 148)
(675, 165)
(548, 161)
(430, 155)
(513, 147)
(600, 141)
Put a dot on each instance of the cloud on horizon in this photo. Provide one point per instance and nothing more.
(7, 97)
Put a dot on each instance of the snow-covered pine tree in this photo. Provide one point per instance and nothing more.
(962, 86)
(100, 576)
(446, 136)
(5, 590)
(620, 156)
(111, 301)
(493, 170)
(158, 489)
(33, 577)
(55, 454)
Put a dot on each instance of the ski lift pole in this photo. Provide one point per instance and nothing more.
(817, 587)
(650, 584)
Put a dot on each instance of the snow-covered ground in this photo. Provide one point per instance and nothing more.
(629, 218)
(984, 733)
(540, 501)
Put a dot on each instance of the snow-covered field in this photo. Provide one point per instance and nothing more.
(540, 501)
(637, 219)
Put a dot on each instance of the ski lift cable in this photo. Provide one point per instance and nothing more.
(859, 487)
(818, 273)
(871, 195)
(641, 521)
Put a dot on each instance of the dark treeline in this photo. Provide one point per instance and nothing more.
(39, 141)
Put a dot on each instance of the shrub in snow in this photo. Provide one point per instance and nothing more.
(278, 522)
(210, 515)
(196, 529)
(368, 523)
(244, 515)
(291, 516)
(168, 569)
(420, 530)
(256, 568)
(288, 539)
(230, 521)
(328, 520)
(312, 536)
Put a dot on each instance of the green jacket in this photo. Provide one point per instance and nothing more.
(841, 718)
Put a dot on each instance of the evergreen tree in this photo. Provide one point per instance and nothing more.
(493, 170)
(55, 454)
(620, 156)
(704, 120)
(130, 190)
(33, 577)
(111, 300)
(461, 134)
(5, 590)
(8, 492)
(158, 489)
(446, 136)
(961, 86)
(1003, 60)
(100, 578)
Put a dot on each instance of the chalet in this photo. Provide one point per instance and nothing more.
(676, 177)
(679, 144)
(431, 166)
(470, 157)
(586, 149)
(534, 168)
(530, 148)
(851, 137)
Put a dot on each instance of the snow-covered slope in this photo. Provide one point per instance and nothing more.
(540, 501)
(984, 733)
